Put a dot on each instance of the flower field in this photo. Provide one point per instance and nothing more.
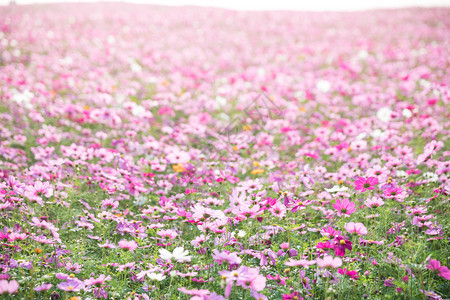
(151, 152)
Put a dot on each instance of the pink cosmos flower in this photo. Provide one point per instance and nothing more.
(329, 232)
(293, 296)
(194, 292)
(128, 245)
(258, 296)
(252, 279)
(344, 207)
(245, 277)
(357, 228)
(43, 287)
(71, 285)
(97, 281)
(39, 189)
(225, 256)
(107, 245)
(8, 287)
(324, 245)
(302, 262)
(378, 171)
(245, 211)
(374, 202)
(278, 210)
(329, 262)
(435, 265)
(110, 203)
(171, 234)
(392, 192)
(352, 274)
(340, 244)
(364, 184)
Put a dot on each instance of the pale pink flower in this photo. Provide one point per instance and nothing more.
(329, 262)
(8, 287)
(357, 228)
(128, 245)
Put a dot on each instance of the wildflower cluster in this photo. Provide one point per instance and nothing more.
(196, 153)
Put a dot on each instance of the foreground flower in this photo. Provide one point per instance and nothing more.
(178, 255)
(435, 265)
(431, 295)
(8, 287)
(329, 262)
(245, 277)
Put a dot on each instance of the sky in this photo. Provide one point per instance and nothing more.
(314, 5)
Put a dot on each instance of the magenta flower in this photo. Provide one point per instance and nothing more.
(364, 184)
(329, 232)
(340, 244)
(344, 207)
(392, 192)
(352, 274)
(8, 287)
(293, 296)
(388, 282)
(435, 265)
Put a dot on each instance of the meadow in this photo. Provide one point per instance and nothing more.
(149, 152)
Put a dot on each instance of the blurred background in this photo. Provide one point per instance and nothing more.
(314, 5)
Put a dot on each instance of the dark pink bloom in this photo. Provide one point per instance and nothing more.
(350, 273)
(340, 244)
(435, 265)
(293, 296)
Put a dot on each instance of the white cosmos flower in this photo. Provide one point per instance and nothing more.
(384, 114)
(323, 85)
(337, 188)
(431, 176)
(407, 113)
(241, 233)
(156, 276)
(179, 254)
